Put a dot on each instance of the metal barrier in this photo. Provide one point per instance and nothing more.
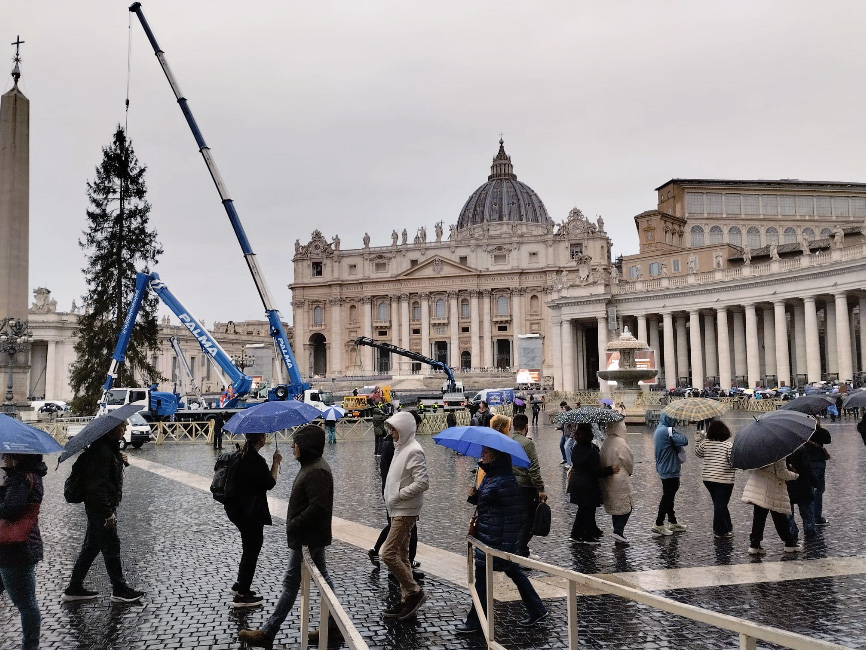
(749, 632)
(182, 431)
(328, 605)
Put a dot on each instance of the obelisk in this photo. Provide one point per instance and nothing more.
(15, 218)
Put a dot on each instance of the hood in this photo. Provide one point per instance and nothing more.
(666, 420)
(502, 465)
(404, 422)
(617, 429)
(502, 423)
(310, 439)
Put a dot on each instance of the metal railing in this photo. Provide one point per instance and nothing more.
(748, 632)
(182, 431)
(328, 606)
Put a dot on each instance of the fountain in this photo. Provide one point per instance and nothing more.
(628, 374)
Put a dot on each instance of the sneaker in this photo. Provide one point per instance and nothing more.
(464, 628)
(412, 604)
(562, 462)
(729, 534)
(661, 530)
(532, 619)
(255, 638)
(757, 550)
(126, 594)
(374, 557)
(592, 542)
(417, 575)
(247, 600)
(823, 522)
(678, 528)
(619, 539)
(577, 540)
(393, 611)
(796, 548)
(78, 593)
(236, 590)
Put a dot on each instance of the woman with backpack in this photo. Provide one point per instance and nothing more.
(247, 509)
(20, 541)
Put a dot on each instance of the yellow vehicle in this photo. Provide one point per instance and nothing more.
(362, 404)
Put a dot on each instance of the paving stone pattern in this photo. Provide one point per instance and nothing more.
(179, 547)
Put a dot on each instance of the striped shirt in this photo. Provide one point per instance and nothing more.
(717, 460)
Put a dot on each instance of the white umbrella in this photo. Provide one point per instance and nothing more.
(333, 413)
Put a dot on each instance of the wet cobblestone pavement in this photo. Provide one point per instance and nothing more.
(178, 546)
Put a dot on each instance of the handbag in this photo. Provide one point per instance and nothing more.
(541, 523)
(473, 524)
(18, 531)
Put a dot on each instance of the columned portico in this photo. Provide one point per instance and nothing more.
(697, 355)
(769, 341)
(724, 339)
(799, 365)
(782, 360)
(843, 338)
(641, 328)
(682, 349)
(710, 347)
(670, 350)
(753, 358)
(831, 350)
(740, 368)
(813, 350)
(653, 340)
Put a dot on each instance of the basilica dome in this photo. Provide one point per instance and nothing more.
(503, 198)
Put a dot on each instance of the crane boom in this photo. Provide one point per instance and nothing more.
(296, 383)
(415, 356)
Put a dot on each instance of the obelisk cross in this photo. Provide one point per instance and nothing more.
(16, 72)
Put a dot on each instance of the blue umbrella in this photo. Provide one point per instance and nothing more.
(19, 438)
(469, 441)
(269, 417)
(97, 428)
(333, 413)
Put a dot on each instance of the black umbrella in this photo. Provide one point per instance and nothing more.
(771, 437)
(809, 404)
(856, 400)
(97, 428)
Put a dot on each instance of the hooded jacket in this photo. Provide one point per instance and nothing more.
(311, 504)
(666, 442)
(103, 476)
(500, 510)
(766, 487)
(616, 489)
(20, 489)
(407, 477)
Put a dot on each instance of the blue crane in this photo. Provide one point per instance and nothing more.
(296, 384)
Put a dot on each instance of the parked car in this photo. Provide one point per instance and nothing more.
(137, 432)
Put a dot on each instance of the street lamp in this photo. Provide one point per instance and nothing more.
(242, 360)
(15, 337)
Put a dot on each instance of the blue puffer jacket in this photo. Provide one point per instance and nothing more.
(499, 508)
(667, 463)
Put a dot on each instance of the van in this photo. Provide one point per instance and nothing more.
(498, 395)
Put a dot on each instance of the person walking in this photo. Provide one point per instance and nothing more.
(584, 486)
(800, 492)
(666, 443)
(530, 485)
(248, 510)
(308, 523)
(616, 489)
(101, 471)
(20, 499)
(766, 490)
(563, 406)
(718, 473)
(378, 430)
(404, 496)
(536, 409)
(498, 506)
(816, 456)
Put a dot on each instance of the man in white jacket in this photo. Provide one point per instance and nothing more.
(404, 495)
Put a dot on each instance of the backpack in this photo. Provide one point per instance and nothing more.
(73, 488)
(223, 484)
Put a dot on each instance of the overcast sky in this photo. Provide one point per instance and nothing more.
(368, 116)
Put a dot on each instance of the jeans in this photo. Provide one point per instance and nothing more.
(331, 430)
(534, 605)
(98, 539)
(395, 554)
(666, 505)
(252, 538)
(534, 417)
(562, 447)
(720, 493)
(808, 517)
(20, 583)
(528, 504)
(619, 522)
(291, 585)
(819, 468)
(569, 445)
(780, 521)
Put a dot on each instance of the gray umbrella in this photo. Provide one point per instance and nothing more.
(856, 400)
(771, 437)
(809, 404)
(97, 428)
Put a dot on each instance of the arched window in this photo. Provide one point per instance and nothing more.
(353, 314)
(502, 306)
(735, 236)
(772, 235)
(318, 315)
(416, 311)
(465, 361)
(808, 234)
(382, 311)
(697, 236)
(534, 305)
(790, 235)
(464, 308)
(753, 237)
(826, 232)
(440, 308)
(715, 235)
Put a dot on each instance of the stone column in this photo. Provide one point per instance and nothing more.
(602, 351)
(862, 317)
(556, 352)
(770, 341)
(682, 347)
(425, 329)
(710, 347)
(739, 343)
(831, 349)
(641, 328)
(51, 368)
(404, 363)
(852, 328)
(843, 338)
(724, 339)
(813, 351)
(453, 322)
(697, 353)
(579, 337)
(335, 359)
(653, 326)
(486, 328)
(753, 358)
(516, 321)
(299, 336)
(474, 329)
(782, 360)
(670, 351)
(567, 346)
(799, 365)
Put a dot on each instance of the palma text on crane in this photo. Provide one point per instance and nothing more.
(206, 342)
